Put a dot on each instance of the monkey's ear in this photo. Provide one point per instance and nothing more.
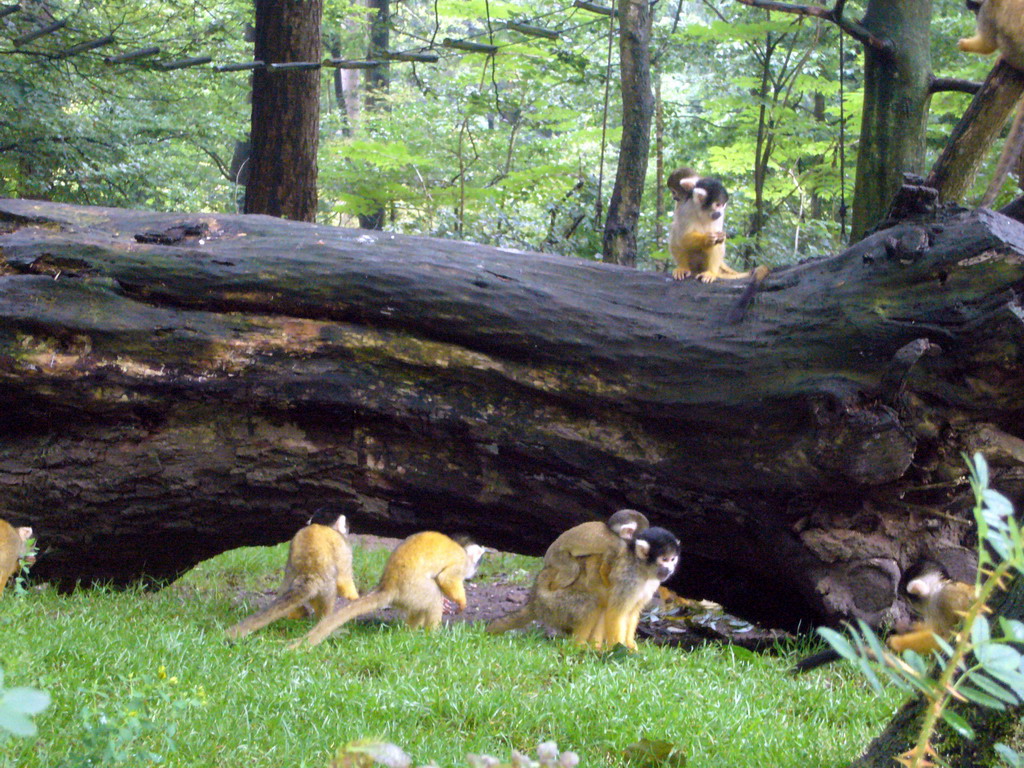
(628, 530)
(341, 525)
(642, 547)
(700, 194)
(25, 533)
(687, 184)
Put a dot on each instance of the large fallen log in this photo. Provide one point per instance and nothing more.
(178, 385)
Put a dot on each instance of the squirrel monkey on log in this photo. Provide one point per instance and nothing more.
(604, 604)
(697, 237)
(1000, 27)
(423, 570)
(13, 542)
(319, 569)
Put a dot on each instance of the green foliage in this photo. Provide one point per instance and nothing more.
(503, 150)
(138, 730)
(24, 566)
(983, 663)
(440, 696)
(17, 708)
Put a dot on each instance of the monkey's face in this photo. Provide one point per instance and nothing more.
(659, 550)
(711, 197)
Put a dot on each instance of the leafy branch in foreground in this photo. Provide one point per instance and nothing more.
(18, 706)
(982, 663)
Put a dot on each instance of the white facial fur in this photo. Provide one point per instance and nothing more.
(473, 554)
(926, 585)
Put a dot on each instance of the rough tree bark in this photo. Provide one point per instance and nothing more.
(897, 91)
(285, 111)
(173, 386)
(637, 111)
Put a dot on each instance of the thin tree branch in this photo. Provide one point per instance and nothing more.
(955, 84)
(855, 29)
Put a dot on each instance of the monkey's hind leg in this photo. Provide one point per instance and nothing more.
(450, 582)
(347, 588)
(977, 44)
(590, 631)
(427, 618)
(921, 641)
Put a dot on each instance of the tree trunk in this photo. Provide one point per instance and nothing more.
(637, 109)
(896, 97)
(378, 81)
(285, 111)
(177, 385)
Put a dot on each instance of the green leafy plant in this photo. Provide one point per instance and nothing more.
(120, 732)
(982, 664)
(24, 566)
(17, 708)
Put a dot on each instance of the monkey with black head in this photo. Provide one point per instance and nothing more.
(697, 237)
(603, 608)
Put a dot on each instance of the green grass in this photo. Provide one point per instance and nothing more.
(143, 673)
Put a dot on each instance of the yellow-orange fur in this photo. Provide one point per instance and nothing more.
(319, 569)
(602, 606)
(12, 549)
(696, 240)
(1000, 27)
(423, 570)
(942, 604)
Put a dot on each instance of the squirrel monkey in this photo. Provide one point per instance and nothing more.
(319, 568)
(602, 606)
(575, 556)
(697, 237)
(938, 599)
(423, 570)
(1000, 27)
(942, 602)
(633, 581)
(583, 544)
(13, 543)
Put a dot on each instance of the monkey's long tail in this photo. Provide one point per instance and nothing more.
(373, 600)
(739, 310)
(514, 620)
(814, 661)
(297, 593)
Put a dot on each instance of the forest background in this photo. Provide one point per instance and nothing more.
(517, 149)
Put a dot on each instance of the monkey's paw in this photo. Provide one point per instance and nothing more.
(679, 273)
(707, 277)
